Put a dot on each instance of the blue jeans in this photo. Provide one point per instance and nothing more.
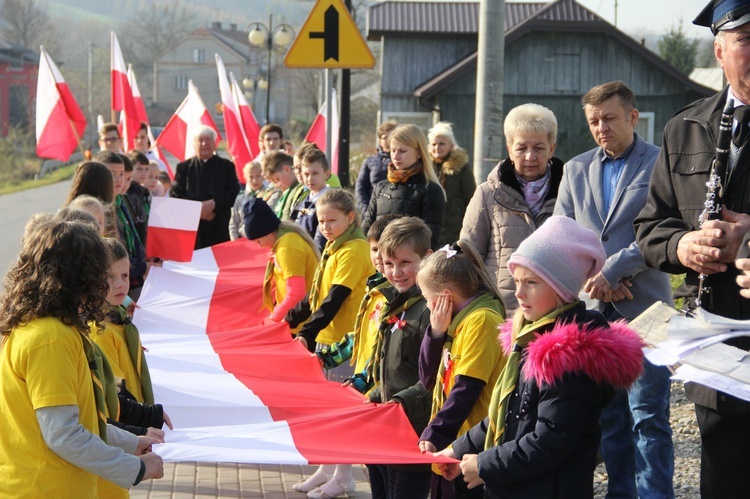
(637, 439)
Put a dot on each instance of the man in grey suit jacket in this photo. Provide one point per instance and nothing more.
(604, 189)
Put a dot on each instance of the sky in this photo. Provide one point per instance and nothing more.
(652, 15)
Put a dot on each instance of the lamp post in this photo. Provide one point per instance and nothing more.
(270, 37)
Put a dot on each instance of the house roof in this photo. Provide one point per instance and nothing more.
(234, 39)
(559, 15)
(10, 52)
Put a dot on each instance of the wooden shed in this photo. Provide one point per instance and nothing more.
(554, 52)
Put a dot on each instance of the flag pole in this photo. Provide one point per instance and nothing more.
(78, 138)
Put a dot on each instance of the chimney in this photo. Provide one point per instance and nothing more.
(216, 25)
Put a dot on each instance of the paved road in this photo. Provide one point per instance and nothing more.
(16, 209)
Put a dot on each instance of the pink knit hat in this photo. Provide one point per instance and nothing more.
(563, 253)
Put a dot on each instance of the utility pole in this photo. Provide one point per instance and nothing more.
(90, 103)
(488, 120)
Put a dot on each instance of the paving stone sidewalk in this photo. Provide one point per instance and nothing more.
(230, 480)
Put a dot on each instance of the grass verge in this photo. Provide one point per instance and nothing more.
(62, 173)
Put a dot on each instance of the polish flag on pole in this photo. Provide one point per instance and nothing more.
(247, 118)
(59, 121)
(140, 107)
(245, 392)
(177, 136)
(172, 228)
(317, 132)
(236, 140)
(122, 96)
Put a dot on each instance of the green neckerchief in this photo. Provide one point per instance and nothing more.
(507, 380)
(399, 305)
(353, 233)
(103, 381)
(374, 284)
(119, 316)
(282, 205)
(299, 196)
(119, 210)
(268, 277)
(483, 301)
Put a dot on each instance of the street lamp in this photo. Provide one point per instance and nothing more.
(270, 37)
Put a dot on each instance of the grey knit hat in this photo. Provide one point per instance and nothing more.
(563, 253)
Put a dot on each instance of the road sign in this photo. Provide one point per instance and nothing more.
(329, 39)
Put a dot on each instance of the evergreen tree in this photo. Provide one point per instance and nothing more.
(678, 50)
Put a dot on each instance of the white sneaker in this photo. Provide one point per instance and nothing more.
(332, 488)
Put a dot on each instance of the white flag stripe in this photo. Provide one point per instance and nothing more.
(47, 95)
(173, 328)
(173, 213)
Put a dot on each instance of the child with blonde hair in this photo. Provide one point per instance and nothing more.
(460, 358)
(541, 436)
(331, 309)
(253, 173)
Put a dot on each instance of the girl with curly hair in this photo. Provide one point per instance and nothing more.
(55, 440)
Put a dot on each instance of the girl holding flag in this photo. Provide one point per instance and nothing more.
(461, 347)
(542, 434)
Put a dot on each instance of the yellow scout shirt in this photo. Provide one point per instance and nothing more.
(115, 347)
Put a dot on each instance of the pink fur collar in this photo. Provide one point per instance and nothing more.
(611, 355)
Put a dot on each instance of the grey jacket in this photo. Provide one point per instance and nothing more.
(581, 197)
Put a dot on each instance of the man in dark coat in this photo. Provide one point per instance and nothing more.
(673, 240)
(212, 180)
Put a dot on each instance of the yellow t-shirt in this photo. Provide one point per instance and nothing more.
(476, 352)
(42, 364)
(115, 347)
(349, 266)
(368, 329)
(293, 257)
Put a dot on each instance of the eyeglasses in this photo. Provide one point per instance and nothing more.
(110, 140)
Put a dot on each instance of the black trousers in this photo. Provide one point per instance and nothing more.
(725, 454)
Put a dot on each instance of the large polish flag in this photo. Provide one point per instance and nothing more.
(122, 95)
(242, 392)
(177, 136)
(172, 228)
(317, 132)
(59, 121)
(247, 117)
(236, 139)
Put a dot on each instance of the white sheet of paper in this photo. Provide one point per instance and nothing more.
(713, 380)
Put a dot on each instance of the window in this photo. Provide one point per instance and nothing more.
(199, 56)
(422, 120)
(18, 106)
(645, 126)
(181, 81)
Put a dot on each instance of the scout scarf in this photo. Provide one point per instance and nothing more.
(103, 381)
(445, 370)
(506, 383)
(391, 318)
(132, 241)
(268, 277)
(353, 233)
(119, 316)
(401, 176)
(374, 285)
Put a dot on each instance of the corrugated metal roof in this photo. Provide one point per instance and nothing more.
(439, 17)
(463, 17)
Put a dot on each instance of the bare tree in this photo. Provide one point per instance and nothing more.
(26, 24)
(156, 27)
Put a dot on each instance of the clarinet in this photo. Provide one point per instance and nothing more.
(716, 183)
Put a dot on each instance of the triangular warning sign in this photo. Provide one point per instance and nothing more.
(329, 39)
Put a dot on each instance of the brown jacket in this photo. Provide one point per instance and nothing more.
(498, 219)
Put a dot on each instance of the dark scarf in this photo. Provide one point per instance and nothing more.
(119, 316)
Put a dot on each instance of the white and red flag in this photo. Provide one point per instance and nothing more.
(122, 96)
(236, 139)
(247, 117)
(242, 392)
(177, 136)
(172, 228)
(59, 121)
(317, 132)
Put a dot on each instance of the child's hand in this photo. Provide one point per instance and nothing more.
(156, 434)
(144, 445)
(471, 471)
(449, 470)
(441, 314)
(154, 466)
(167, 421)
(425, 446)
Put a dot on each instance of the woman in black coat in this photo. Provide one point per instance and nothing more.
(412, 187)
